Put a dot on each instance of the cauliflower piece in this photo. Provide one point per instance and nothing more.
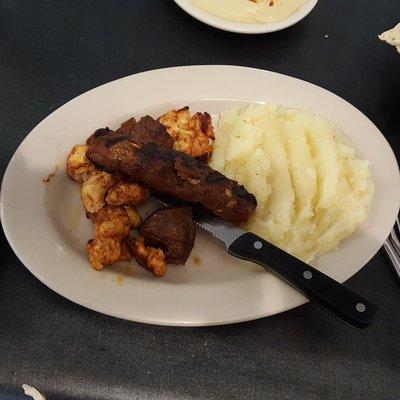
(134, 217)
(94, 190)
(149, 257)
(103, 251)
(125, 252)
(78, 166)
(106, 251)
(111, 221)
(126, 193)
(192, 135)
(112, 227)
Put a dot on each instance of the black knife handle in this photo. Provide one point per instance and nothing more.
(318, 287)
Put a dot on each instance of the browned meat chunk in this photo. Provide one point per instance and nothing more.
(98, 133)
(173, 173)
(171, 229)
(147, 130)
(127, 127)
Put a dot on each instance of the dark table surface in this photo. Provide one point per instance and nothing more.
(51, 51)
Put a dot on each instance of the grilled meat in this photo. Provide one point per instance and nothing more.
(147, 130)
(171, 229)
(174, 173)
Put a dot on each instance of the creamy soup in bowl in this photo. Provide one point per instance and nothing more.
(251, 11)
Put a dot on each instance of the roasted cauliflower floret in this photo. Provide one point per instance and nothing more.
(94, 190)
(103, 251)
(192, 135)
(106, 251)
(112, 227)
(148, 257)
(125, 252)
(111, 221)
(129, 194)
(78, 166)
(134, 217)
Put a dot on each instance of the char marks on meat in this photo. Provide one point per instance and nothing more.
(147, 130)
(171, 229)
(173, 173)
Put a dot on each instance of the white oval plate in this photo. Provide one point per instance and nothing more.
(46, 227)
(240, 27)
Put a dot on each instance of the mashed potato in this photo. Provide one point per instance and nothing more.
(311, 187)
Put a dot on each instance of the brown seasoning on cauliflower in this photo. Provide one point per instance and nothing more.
(149, 257)
(126, 194)
(192, 135)
(95, 189)
(78, 166)
(112, 227)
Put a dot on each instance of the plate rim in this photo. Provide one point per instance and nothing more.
(241, 27)
(166, 322)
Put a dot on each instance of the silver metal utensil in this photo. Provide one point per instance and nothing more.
(392, 249)
(395, 236)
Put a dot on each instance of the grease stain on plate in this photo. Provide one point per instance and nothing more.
(51, 175)
(196, 260)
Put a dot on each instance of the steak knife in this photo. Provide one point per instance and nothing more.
(344, 304)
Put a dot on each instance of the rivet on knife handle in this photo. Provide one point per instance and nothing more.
(318, 287)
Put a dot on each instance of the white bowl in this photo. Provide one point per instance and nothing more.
(240, 27)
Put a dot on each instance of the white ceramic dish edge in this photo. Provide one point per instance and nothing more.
(239, 27)
(26, 262)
